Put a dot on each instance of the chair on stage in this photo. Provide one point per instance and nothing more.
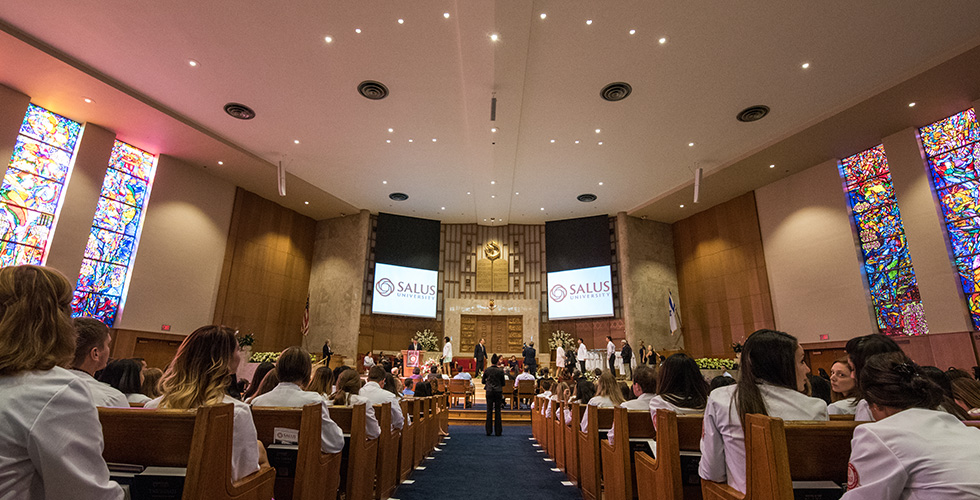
(525, 391)
(316, 475)
(461, 389)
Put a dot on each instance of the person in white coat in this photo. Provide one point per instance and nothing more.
(611, 354)
(771, 382)
(447, 357)
(582, 353)
(198, 376)
(347, 394)
(859, 349)
(376, 395)
(843, 388)
(560, 357)
(50, 437)
(681, 388)
(912, 450)
(294, 368)
(92, 355)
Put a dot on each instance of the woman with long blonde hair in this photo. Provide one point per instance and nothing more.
(50, 436)
(199, 376)
(607, 395)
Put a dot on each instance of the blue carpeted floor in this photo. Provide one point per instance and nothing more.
(473, 466)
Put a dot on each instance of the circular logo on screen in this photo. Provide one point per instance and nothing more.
(558, 293)
(385, 287)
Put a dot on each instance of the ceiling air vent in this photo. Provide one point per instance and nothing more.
(752, 113)
(587, 198)
(372, 90)
(398, 196)
(240, 111)
(616, 91)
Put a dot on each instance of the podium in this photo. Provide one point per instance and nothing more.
(412, 360)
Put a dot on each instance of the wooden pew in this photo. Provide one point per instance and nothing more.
(590, 463)
(845, 418)
(443, 408)
(406, 445)
(386, 470)
(199, 440)
(571, 442)
(557, 422)
(317, 474)
(536, 421)
(362, 453)
(618, 470)
(660, 478)
(461, 389)
(421, 430)
(525, 390)
(547, 430)
(777, 453)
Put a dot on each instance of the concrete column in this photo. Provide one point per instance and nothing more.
(13, 107)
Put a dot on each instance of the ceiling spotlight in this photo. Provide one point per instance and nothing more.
(772, 166)
(600, 143)
(221, 163)
(493, 182)
(806, 65)
(296, 141)
(446, 15)
(388, 141)
(516, 193)
(401, 21)
(193, 63)
(690, 144)
(306, 203)
(911, 104)
(493, 129)
(632, 32)
(662, 40)
(543, 15)
(494, 37)
(384, 182)
(391, 130)
(682, 206)
(484, 220)
(468, 192)
(443, 208)
(552, 140)
(600, 183)
(598, 130)
(357, 30)
(410, 140)
(576, 142)
(493, 196)
(542, 208)
(87, 100)
(588, 22)
(328, 39)
(433, 139)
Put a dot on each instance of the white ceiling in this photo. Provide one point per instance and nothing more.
(719, 57)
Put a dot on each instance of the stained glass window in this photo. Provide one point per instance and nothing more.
(952, 148)
(33, 185)
(112, 243)
(887, 264)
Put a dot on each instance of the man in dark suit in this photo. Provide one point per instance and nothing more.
(480, 353)
(493, 379)
(414, 346)
(529, 358)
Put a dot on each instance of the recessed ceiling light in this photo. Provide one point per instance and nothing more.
(328, 39)
(401, 21)
(600, 143)
(391, 130)
(493, 182)
(388, 141)
(221, 163)
(598, 130)
(690, 144)
(493, 196)
(357, 30)
(552, 140)
(384, 182)
(484, 220)
(516, 193)
(772, 166)
(911, 104)
(306, 203)
(88, 100)
(295, 141)
(542, 208)
(576, 142)
(600, 183)
(468, 192)
(493, 129)
(588, 22)
(543, 15)
(446, 15)
(662, 40)
(806, 65)
(433, 139)
(193, 63)
(632, 32)
(443, 208)
(494, 37)
(682, 206)
(410, 140)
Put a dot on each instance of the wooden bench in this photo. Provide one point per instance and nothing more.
(778, 452)
(387, 464)
(547, 430)
(406, 445)
(461, 389)
(317, 474)
(200, 440)
(442, 404)
(421, 430)
(536, 421)
(618, 470)
(362, 453)
(556, 419)
(660, 478)
(571, 432)
(525, 390)
(589, 459)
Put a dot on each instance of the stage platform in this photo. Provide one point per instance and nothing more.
(477, 413)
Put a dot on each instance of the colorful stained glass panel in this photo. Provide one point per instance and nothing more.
(101, 277)
(858, 169)
(133, 161)
(38, 158)
(95, 305)
(12, 254)
(30, 191)
(124, 187)
(960, 201)
(969, 271)
(873, 193)
(109, 246)
(50, 128)
(117, 217)
(950, 133)
(954, 167)
(20, 225)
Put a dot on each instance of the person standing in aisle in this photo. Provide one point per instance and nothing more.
(611, 353)
(493, 379)
(627, 355)
(582, 353)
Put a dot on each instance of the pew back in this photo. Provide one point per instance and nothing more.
(317, 474)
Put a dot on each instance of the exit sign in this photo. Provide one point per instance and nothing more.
(823, 336)
(165, 328)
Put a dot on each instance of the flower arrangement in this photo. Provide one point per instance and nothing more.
(270, 357)
(715, 363)
(246, 340)
(737, 347)
(560, 338)
(427, 340)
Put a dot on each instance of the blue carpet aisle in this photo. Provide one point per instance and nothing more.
(474, 466)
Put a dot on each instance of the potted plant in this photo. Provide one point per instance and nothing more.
(245, 344)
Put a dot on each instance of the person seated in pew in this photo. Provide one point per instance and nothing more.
(582, 393)
(720, 381)
(858, 350)
(644, 388)
(463, 375)
(843, 390)
(373, 392)
(966, 393)
(546, 387)
(91, 356)
(947, 405)
(393, 385)
(561, 394)
(321, 382)
(347, 394)
(681, 388)
(818, 387)
(423, 390)
(772, 381)
(416, 374)
(269, 382)
(911, 451)
(199, 376)
(260, 372)
(152, 386)
(50, 435)
(409, 390)
(294, 369)
(126, 376)
(608, 395)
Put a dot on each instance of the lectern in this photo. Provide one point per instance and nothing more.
(413, 359)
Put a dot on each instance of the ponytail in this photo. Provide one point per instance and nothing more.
(892, 379)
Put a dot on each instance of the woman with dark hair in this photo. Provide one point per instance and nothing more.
(126, 375)
(966, 393)
(859, 349)
(771, 382)
(348, 387)
(843, 390)
(911, 450)
(260, 373)
(680, 387)
(947, 404)
(152, 386)
(269, 382)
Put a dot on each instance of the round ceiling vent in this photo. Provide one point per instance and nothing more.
(587, 198)
(240, 111)
(616, 91)
(752, 113)
(398, 196)
(372, 90)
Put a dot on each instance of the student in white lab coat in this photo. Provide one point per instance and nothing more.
(348, 387)
(294, 369)
(447, 357)
(376, 395)
(199, 376)
(911, 451)
(859, 349)
(582, 353)
(608, 395)
(50, 437)
(92, 355)
(843, 388)
(771, 382)
(681, 387)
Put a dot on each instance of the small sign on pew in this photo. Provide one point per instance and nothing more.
(282, 435)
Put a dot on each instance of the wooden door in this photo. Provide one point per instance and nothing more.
(156, 353)
(499, 333)
(823, 358)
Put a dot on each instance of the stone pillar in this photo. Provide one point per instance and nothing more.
(13, 107)
(337, 283)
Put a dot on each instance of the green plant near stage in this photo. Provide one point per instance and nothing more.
(559, 337)
(715, 363)
(270, 357)
(246, 340)
(427, 339)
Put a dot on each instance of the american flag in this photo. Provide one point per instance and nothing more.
(306, 317)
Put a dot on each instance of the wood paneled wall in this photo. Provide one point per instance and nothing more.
(592, 331)
(381, 332)
(157, 348)
(721, 273)
(266, 272)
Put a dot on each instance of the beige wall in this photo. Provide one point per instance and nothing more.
(13, 106)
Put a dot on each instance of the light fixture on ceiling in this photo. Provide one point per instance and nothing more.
(401, 21)
(542, 208)
(88, 100)
(328, 39)
(690, 144)
(493, 196)
(911, 104)
(682, 206)
(600, 183)
(632, 32)
(221, 163)
(516, 193)
(240, 111)
(616, 91)
(494, 37)
(552, 141)
(443, 208)
(493, 182)
(446, 15)
(384, 182)
(411, 140)
(433, 139)
(662, 40)
(600, 143)
(372, 90)
(192, 63)
(576, 142)
(295, 141)
(398, 196)
(390, 130)
(805, 65)
(357, 30)
(772, 166)
(598, 130)
(306, 203)
(752, 113)
(493, 129)
(588, 22)
(543, 15)
(388, 141)
(468, 192)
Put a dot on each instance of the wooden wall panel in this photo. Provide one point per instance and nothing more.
(156, 347)
(723, 288)
(391, 334)
(266, 274)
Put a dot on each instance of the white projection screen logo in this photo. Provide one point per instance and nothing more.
(580, 293)
(404, 291)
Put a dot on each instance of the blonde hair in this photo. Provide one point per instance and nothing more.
(610, 388)
(322, 381)
(35, 319)
(201, 371)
